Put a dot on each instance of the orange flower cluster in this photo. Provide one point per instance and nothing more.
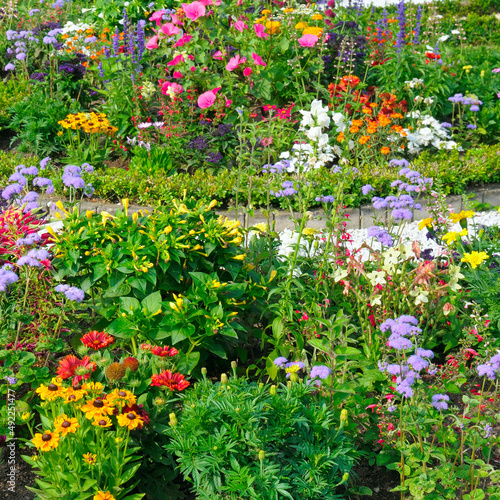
(90, 123)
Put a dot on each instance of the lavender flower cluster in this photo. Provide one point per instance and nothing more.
(7, 276)
(317, 373)
(72, 178)
(491, 368)
(33, 258)
(20, 180)
(407, 372)
(277, 168)
(289, 189)
(71, 292)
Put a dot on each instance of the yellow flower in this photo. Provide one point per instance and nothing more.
(262, 227)
(309, 231)
(104, 495)
(102, 421)
(317, 17)
(475, 258)
(90, 458)
(239, 257)
(73, 394)
(26, 415)
(131, 420)
(47, 441)
(425, 223)
(65, 425)
(120, 395)
(292, 369)
(286, 11)
(450, 237)
(96, 408)
(52, 391)
(313, 30)
(462, 215)
(301, 26)
(273, 26)
(96, 387)
(266, 12)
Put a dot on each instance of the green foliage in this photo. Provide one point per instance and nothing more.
(35, 120)
(12, 91)
(176, 275)
(243, 440)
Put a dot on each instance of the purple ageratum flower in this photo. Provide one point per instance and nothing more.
(381, 235)
(29, 171)
(21, 56)
(74, 182)
(399, 343)
(446, 125)
(366, 189)
(404, 389)
(418, 363)
(425, 353)
(474, 108)
(11, 380)
(30, 197)
(399, 163)
(379, 203)
(280, 361)
(28, 261)
(40, 254)
(471, 126)
(487, 430)
(11, 190)
(42, 182)
(19, 178)
(325, 199)
(439, 401)
(9, 67)
(44, 162)
(320, 371)
(75, 294)
(402, 213)
(7, 277)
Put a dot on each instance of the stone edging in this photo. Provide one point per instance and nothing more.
(359, 218)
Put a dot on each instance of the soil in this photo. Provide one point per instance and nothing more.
(5, 139)
(379, 479)
(23, 476)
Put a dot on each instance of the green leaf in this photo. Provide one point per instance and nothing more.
(186, 363)
(119, 291)
(129, 304)
(152, 303)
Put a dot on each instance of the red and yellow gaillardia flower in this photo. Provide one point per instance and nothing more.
(97, 340)
(79, 369)
(164, 351)
(174, 381)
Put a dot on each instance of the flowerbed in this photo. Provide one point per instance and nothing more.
(173, 352)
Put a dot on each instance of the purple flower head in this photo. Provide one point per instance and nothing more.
(19, 178)
(11, 190)
(30, 197)
(425, 353)
(399, 163)
(21, 56)
(75, 294)
(474, 108)
(471, 126)
(487, 430)
(44, 162)
(11, 380)
(381, 235)
(402, 213)
(7, 277)
(439, 401)
(319, 371)
(366, 189)
(280, 361)
(418, 363)
(379, 203)
(295, 363)
(446, 125)
(9, 67)
(399, 343)
(29, 171)
(404, 389)
(28, 261)
(42, 182)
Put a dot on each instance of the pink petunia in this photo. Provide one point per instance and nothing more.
(247, 71)
(228, 103)
(260, 31)
(170, 29)
(240, 26)
(207, 99)
(193, 69)
(308, 40)
(234, 62)
(206, 3)
(258, 61)
(218, 55)
(176, 60)
(152, 43)
(177, 74)
(183, 40)
(157, 16)
(175, 19)
(194, 10)
(171, 88)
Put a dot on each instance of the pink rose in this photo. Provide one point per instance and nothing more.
(258, 60)
(240, 26)
(308, 40)
(177, 74)
(194, 10)
(260, 31)
(170, 29)
(193, 69)
(152, 43)
(183, 40)
(157, 16)
(247, 71)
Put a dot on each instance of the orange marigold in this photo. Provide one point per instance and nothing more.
(385, 150)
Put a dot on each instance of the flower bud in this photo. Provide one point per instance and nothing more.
(289, 384)
(203, 371)
(261, 385)
(345, 477)
(294, 377)
(223, 378)
(272, 390)
(343, 416)
(262, 455)
(233, 364)
(172, 420)
(131, 363)
(159, 402)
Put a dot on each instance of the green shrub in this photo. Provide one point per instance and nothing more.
(11, 92)
(239, 440)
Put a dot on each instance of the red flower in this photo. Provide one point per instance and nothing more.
(97, 340)
(174, 381)
(164, 351)
(79, 369)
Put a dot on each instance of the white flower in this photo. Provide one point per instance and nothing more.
(418, 99)
(455, 32)
(376, 278)
(314, 133)
(443, 38)
(428, 100)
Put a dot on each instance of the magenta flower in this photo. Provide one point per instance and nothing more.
(240, 26)
(152, 43)
(218, 55)
(258, 61)
(194, 10)
(170, 29)
(169, 87)
(176, 60)
(496, 70)
(206, 3)
(247, 71)
(175, 19)
(234, 62)
(260, 31)
(157, 16)
(207, 99)
(183, 40)
(177, 74)
(308, 40)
